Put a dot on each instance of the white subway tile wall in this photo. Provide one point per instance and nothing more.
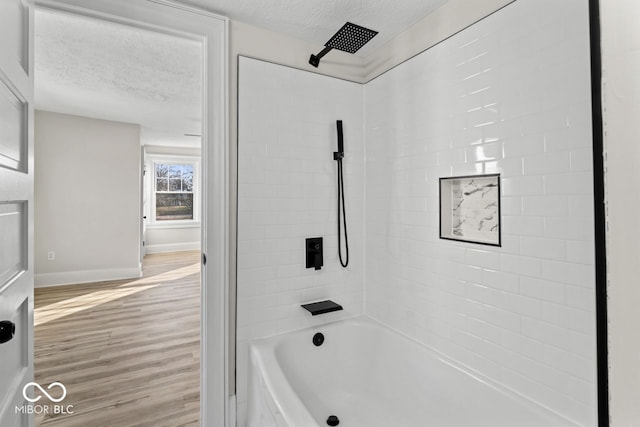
(286, 193)
(510, 95)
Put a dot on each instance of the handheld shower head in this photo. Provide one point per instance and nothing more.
(350, 38)
(339, 155)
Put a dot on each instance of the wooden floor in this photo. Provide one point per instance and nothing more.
(127, 351)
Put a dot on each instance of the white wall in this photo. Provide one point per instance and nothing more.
(166, 237)
(509, 95)
(87, 199)
(621, 108)
(259, 43)
(287, 192)
(254, 42)
(172, 239)
(169, 150)
(522, 314)
(448, 19)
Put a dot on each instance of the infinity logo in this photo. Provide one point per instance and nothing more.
(53, 399)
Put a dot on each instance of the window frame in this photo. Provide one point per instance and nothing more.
(150, 172)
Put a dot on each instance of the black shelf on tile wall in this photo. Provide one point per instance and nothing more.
(321, 307)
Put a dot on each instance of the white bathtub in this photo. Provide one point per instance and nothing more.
(369, 376)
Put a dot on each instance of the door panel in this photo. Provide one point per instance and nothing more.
(14, 19)
(13, 251)
(16, 206)
(13, 132)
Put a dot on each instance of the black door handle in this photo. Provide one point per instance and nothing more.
(7, 331)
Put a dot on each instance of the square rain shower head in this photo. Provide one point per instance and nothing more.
(350, 38)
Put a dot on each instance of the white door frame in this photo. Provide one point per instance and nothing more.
(213, 31)
(143, 208)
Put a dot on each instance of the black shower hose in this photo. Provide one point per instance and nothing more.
(344, 217)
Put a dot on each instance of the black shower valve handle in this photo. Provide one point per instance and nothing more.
(314, 258)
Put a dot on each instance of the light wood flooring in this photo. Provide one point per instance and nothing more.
(127, 351)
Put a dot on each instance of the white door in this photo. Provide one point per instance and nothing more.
(16, 208)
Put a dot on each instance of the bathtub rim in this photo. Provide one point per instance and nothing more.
(261, 354)
(264, 350)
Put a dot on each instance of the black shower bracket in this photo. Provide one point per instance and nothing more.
(315, 59)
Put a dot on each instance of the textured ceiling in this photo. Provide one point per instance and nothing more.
(109, 71)
(317, 20)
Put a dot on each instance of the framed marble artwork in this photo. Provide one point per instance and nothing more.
(470, 209)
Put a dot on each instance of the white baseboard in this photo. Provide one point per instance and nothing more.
(85, 276)
(172, 247)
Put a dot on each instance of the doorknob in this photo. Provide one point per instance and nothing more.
(7, 330)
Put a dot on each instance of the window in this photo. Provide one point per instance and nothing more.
(174, 191)
(171, 197)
